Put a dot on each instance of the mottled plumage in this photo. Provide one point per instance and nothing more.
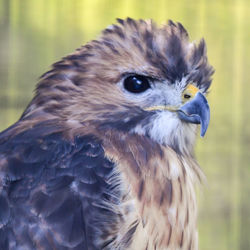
(94, 163)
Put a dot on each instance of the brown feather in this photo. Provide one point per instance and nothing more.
(163, 200)
(80, 95)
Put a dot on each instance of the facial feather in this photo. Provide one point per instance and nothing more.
(86, 87)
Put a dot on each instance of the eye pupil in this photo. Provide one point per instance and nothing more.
(186, 96)
(136, 84)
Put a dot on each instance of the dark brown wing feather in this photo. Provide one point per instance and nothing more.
(52, 191)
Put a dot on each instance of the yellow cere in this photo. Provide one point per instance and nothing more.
(191, 90)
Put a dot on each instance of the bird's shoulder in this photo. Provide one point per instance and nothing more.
(54, 191)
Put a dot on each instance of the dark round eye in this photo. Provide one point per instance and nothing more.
(136, 84)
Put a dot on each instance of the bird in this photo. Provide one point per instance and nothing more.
(103, 155)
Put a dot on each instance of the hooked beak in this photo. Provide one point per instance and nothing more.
(196, 111)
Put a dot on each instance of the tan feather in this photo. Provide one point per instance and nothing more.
(162, 191)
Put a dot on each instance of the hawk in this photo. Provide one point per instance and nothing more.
(102, 158)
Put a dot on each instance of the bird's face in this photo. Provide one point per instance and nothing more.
(171, 109)
(140, 79)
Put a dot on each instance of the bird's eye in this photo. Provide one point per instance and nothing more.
(136, 84)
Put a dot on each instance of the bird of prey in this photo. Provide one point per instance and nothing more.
(102, 158)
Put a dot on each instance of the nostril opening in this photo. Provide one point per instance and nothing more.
(186, 96)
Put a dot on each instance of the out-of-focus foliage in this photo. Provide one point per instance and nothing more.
(36, 33)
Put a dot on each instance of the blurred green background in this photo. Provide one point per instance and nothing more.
(36, 33)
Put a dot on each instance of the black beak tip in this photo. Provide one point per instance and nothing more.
(203, 132)
(205, 118)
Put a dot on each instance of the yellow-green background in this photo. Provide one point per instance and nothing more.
(36, 33)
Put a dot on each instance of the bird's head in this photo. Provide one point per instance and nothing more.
(138, 78)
